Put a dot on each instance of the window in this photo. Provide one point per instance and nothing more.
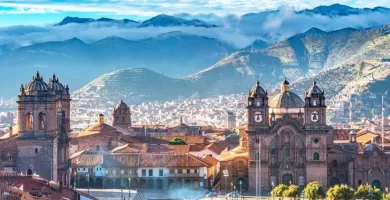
(41, 121)
(150, 172)
(257, 156)
(359, 182)
(144, 172)
(302, 153)
(188, 171)
(316, 156)
(314, 102)
(287, 152)
(160, 172)
(36, 150)
(273, 151)
(179, 171)
(257, 103)
(316, 140)
(29, 121)
(97, 148)
(9, 158)
(240, 164)
(195, 171)
(122, 171)
(123, 118)
(171, 171)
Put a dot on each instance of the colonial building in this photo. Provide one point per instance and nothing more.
(287, 140)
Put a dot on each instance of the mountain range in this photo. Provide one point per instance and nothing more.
(175, 53)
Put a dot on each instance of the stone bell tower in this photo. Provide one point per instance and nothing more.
(315, 108)
(122, 116)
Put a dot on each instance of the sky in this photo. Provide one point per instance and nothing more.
(43, 12)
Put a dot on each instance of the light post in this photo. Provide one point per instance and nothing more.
(74, 179)
(240, 187)
(129, 187)
(88, 182)
(121, 194)
(273, 185)
(225, 174)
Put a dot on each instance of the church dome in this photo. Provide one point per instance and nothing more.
(121, 104)
(285, 98)
(257, 91)
(314, 91)
(55, 85)
(37, 84)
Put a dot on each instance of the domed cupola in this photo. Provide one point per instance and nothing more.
(314, 96)
(257, 91)
(121, 105)
(55, 85)
(37, 86)
(314, 91)
(285, 98)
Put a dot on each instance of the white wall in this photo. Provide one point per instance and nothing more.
(99, 171)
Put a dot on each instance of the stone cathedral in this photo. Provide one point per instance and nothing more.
(287, 137)
(43, 123)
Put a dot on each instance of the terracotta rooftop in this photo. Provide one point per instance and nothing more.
(181, 149)
(87, 159)
(130, 148)
(192, 139)
(13, 132)
(234, 153)
(98, 128)
(210, 159)
(218, 147)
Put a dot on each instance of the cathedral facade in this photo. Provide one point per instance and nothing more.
(42, 130)
(287, 140)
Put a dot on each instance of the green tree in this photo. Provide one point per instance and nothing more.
(363, 191)
(378, 194)
(340, 192)
(278, 190)
(314, 190)
(177, 141)
(291, 191)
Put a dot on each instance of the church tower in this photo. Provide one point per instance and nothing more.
(315, 108)
(257, 108)
(122, 116)
(40, 141)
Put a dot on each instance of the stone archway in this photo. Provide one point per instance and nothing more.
(159, 184)
(151, 184)
(241, 184)
(82, 182)
(376, 184)
(126, 183)
(334, 181)
(287, 179)
(91, 183)
(118, 183)
(171, 183)
(99, 183)
(134, 183)
(142, 183)
(109, 184)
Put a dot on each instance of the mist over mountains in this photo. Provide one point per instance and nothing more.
(204, 54)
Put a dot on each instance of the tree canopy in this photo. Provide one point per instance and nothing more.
(177, 141)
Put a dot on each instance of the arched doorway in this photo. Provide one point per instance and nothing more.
(159, 184)
(142, 183)
(179, 183)
(82, 183)
(109, 184)
(99, 183)
(171, 182)
(29, 172)
(134, 183)
(91, 183)
(241, 185)
(334, 181)
(287, 179)
(126, 183)
(118, 183)
(150, 184)
(187, 183)
(376, 184)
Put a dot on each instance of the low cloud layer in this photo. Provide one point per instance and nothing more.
(239, 31)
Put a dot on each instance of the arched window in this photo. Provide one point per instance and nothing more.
(29, 172)
(316, 156)
(97, 148)
(29, 121)
(257, 156)
(116, 118)
(36, 150)
(41, 121)
(287, 152)
(123, 119)
(10, 158)
(240, 164)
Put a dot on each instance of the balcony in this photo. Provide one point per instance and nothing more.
(183, 175)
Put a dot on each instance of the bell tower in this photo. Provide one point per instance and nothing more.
(122, 116)
(257, 108)
(315, 108)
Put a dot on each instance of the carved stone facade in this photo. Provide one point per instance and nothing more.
(286, 143)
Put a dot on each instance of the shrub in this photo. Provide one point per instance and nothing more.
(291, 191)
(313, 190)
(363, 191)
(177, 141)
(340, 192)
(278, 190)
